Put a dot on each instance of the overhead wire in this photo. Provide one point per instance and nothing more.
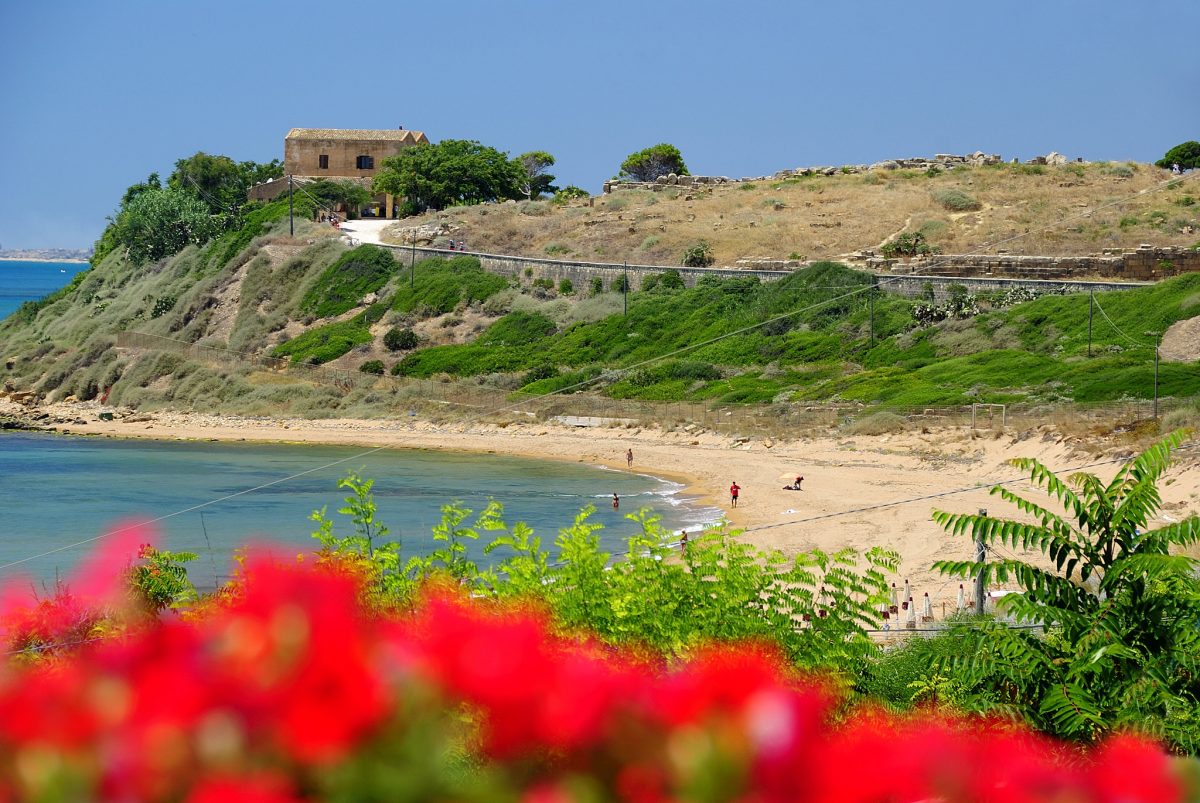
(625, 369)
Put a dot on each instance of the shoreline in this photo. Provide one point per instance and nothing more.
(859, 491)
(43, 259)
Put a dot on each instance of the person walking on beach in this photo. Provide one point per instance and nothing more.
(616, 502)
(629, 458)
(733, 493)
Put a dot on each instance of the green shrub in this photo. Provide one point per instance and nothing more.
(1119, 171)
(1030, 170)
(538, 373)
(956, 200)
(396, 339)
(556, 248)
(699, 255)
(568, 193)
(544, 284)
(667, 280)
(648, 243)
(517, 328)
(566, 287)
(1129, 222)
(439, 286)
(344, 283)
(595, 286)
(326, 343)
(621, 283)
(372, 367)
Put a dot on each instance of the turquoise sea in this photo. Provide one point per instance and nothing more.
(28, 281)
(58, 490)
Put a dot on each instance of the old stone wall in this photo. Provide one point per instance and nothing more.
(581, 273)
(1146, 264)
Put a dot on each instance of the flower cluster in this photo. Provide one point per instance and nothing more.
(287, 688)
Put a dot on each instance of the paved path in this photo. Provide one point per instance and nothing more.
(365, 230)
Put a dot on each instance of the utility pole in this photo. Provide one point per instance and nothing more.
(1091, 313)
(625, 287)
(1157, 343)
(980, 554)
(871, 298)
(291, 219)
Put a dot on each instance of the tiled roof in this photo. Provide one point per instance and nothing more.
(358, 134)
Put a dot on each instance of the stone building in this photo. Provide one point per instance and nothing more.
(340, 154)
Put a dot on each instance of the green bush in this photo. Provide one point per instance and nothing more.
(556, 248)
(699, 255)
(956, 200)
(346, 282)
(621, 284)
(667, 280)
(439, 286)
(595, 286)
(882, 423)
(566, 287)
(568, 193)
(396, 339)
(326, 343)
(538, 373)
(372, 367)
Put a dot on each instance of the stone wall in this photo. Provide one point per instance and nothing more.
(581, 273)
(1146, 264)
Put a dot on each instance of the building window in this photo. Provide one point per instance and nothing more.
(323, 161)
(365, 163)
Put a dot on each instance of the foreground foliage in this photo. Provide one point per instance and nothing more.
(1119, 610)
(288, 687)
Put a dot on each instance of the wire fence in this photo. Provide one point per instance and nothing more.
(451, 399)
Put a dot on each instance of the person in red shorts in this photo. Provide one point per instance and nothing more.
(733, 493)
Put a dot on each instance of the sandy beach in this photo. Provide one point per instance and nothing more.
(858, 492)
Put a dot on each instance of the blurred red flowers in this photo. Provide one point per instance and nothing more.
(287, 688)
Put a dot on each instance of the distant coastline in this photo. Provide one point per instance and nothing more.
(44, 259)
(46, 255)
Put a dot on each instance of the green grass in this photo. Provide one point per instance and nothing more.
(438, 286)
(1034, 351)
(344, 284)
(326, 343)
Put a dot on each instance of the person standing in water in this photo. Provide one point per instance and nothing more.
(616, 502)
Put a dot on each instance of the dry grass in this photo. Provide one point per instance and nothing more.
(827, 217)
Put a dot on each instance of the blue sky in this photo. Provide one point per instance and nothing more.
(95, 96)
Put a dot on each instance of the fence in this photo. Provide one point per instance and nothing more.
(467, 400)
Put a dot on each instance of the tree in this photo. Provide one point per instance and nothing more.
(157, 223)
(349, 194)
(1119, 610)
(450, 173)
(537, 180)
(220, 182)
(1186, 155)
(649, 164)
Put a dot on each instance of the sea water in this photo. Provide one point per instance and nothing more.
(60, 491)
(22, 281)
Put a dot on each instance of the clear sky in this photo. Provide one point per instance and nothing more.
(94, 96)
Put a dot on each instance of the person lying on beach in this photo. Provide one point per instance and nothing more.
(794, 486)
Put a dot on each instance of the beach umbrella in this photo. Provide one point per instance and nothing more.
(912, 613)
(907, 591)
(927, 608)
(895, 601)
(962, 597)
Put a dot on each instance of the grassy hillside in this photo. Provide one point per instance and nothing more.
(1036, 351)
(826, 217)
(818, 335)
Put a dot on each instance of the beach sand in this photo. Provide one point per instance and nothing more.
(858, 492)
